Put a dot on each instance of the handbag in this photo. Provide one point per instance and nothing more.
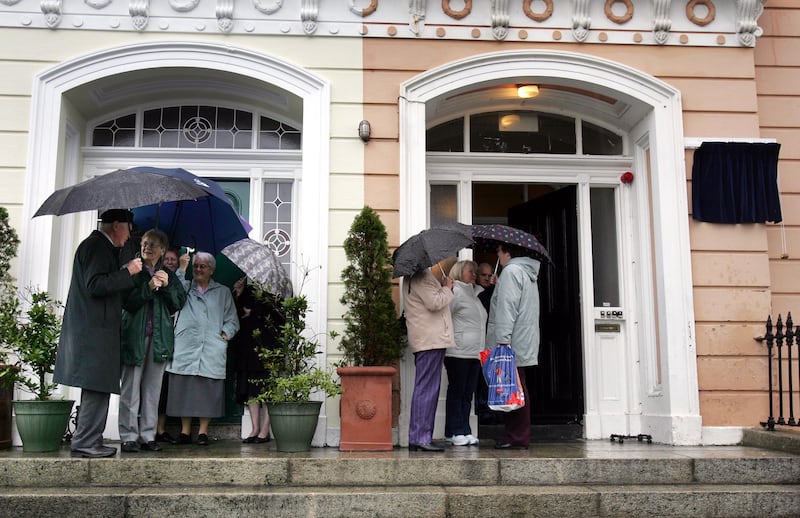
(499, 367)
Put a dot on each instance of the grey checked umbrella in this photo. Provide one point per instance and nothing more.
(427, 248)
(123, 188)
(260, 264)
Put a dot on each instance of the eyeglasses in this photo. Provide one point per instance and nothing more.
(150, 244)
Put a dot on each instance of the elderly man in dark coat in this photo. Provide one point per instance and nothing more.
(89, 348)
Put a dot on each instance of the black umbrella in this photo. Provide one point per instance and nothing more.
(488, 236)
(123, 188)
(427, 248)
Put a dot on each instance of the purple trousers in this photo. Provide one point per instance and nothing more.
(427, 381)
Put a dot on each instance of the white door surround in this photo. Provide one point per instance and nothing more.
(660, 370)
(48, 242)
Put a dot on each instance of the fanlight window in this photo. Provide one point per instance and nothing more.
(197, 127)
(520, 131)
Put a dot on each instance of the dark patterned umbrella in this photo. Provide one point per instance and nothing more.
(427, 248)
(487, 237)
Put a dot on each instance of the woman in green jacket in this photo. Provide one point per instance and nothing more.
(147, 343)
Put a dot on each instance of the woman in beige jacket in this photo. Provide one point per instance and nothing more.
(430, 332)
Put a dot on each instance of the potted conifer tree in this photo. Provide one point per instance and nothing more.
(371, 342)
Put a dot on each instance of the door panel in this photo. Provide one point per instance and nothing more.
(557, 382)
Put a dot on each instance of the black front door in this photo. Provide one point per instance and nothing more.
(557, 382)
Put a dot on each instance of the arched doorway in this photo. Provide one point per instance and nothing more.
(639, 375)
(60, 152)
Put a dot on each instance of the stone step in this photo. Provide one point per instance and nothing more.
(409, 501)
(477, 467)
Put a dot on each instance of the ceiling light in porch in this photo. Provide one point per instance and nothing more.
(527, 91)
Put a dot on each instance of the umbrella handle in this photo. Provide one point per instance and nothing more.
(496, 265)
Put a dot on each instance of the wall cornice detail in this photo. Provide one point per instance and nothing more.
(702, 23)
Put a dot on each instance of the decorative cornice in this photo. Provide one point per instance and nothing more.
(747, 29)
(417, 8)
(309, 12)
(581, 21)
(51, 9)
(139, 11)
(706, 23)
(661, 20)
(500, 19)
(225, 15)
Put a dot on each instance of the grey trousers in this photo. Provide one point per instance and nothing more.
(92, 417)
(138, 398)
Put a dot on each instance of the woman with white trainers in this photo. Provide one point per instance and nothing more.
(462, 361)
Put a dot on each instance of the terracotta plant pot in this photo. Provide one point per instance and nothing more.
(366, 408)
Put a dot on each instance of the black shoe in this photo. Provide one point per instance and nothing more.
(130, 447)
(94, 453)
(424, 447)
(166, 437)
(184, 439)
(202, 440)
(150, 446)
(250, 440)
(262, 440)
(509, 446)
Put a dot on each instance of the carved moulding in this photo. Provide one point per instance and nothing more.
(622, 18)
(500, 19)
(708, 18)
(51, 9)
(661, 21)
(457, 15)
(12, 2)
(581, 21)
(183, 6)
(139, 11)
(309, 13)
(95, 4)
(538, 17)
(363, 11)
(267, 7)
(417, 8)
(224, 14)
(747, 13)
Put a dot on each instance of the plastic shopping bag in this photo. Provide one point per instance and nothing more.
(500, 370)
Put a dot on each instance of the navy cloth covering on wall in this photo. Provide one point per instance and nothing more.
(736, 182)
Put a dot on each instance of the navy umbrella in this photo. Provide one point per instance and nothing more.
(208, 223)
(122, 188)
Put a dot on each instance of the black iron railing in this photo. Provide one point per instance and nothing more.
(787, 337)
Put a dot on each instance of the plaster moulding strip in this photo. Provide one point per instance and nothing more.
(694, 142)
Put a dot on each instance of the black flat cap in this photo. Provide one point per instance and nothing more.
(121, 215)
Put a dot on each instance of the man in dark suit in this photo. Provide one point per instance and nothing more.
(89, 348)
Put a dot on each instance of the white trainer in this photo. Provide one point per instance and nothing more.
(472, 440)
(460, 440)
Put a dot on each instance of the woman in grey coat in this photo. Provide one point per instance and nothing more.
(514, 321)
(203, 328)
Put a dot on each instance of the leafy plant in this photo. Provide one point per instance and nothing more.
(33, 337)
(9, 241)
(293, 374)
(372, 334)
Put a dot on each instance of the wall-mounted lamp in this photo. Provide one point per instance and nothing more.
(527, 91)
(364, 130)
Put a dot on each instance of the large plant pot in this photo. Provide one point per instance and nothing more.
(366, 408)
(41, 424)
(6, 393)
(293, 424)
